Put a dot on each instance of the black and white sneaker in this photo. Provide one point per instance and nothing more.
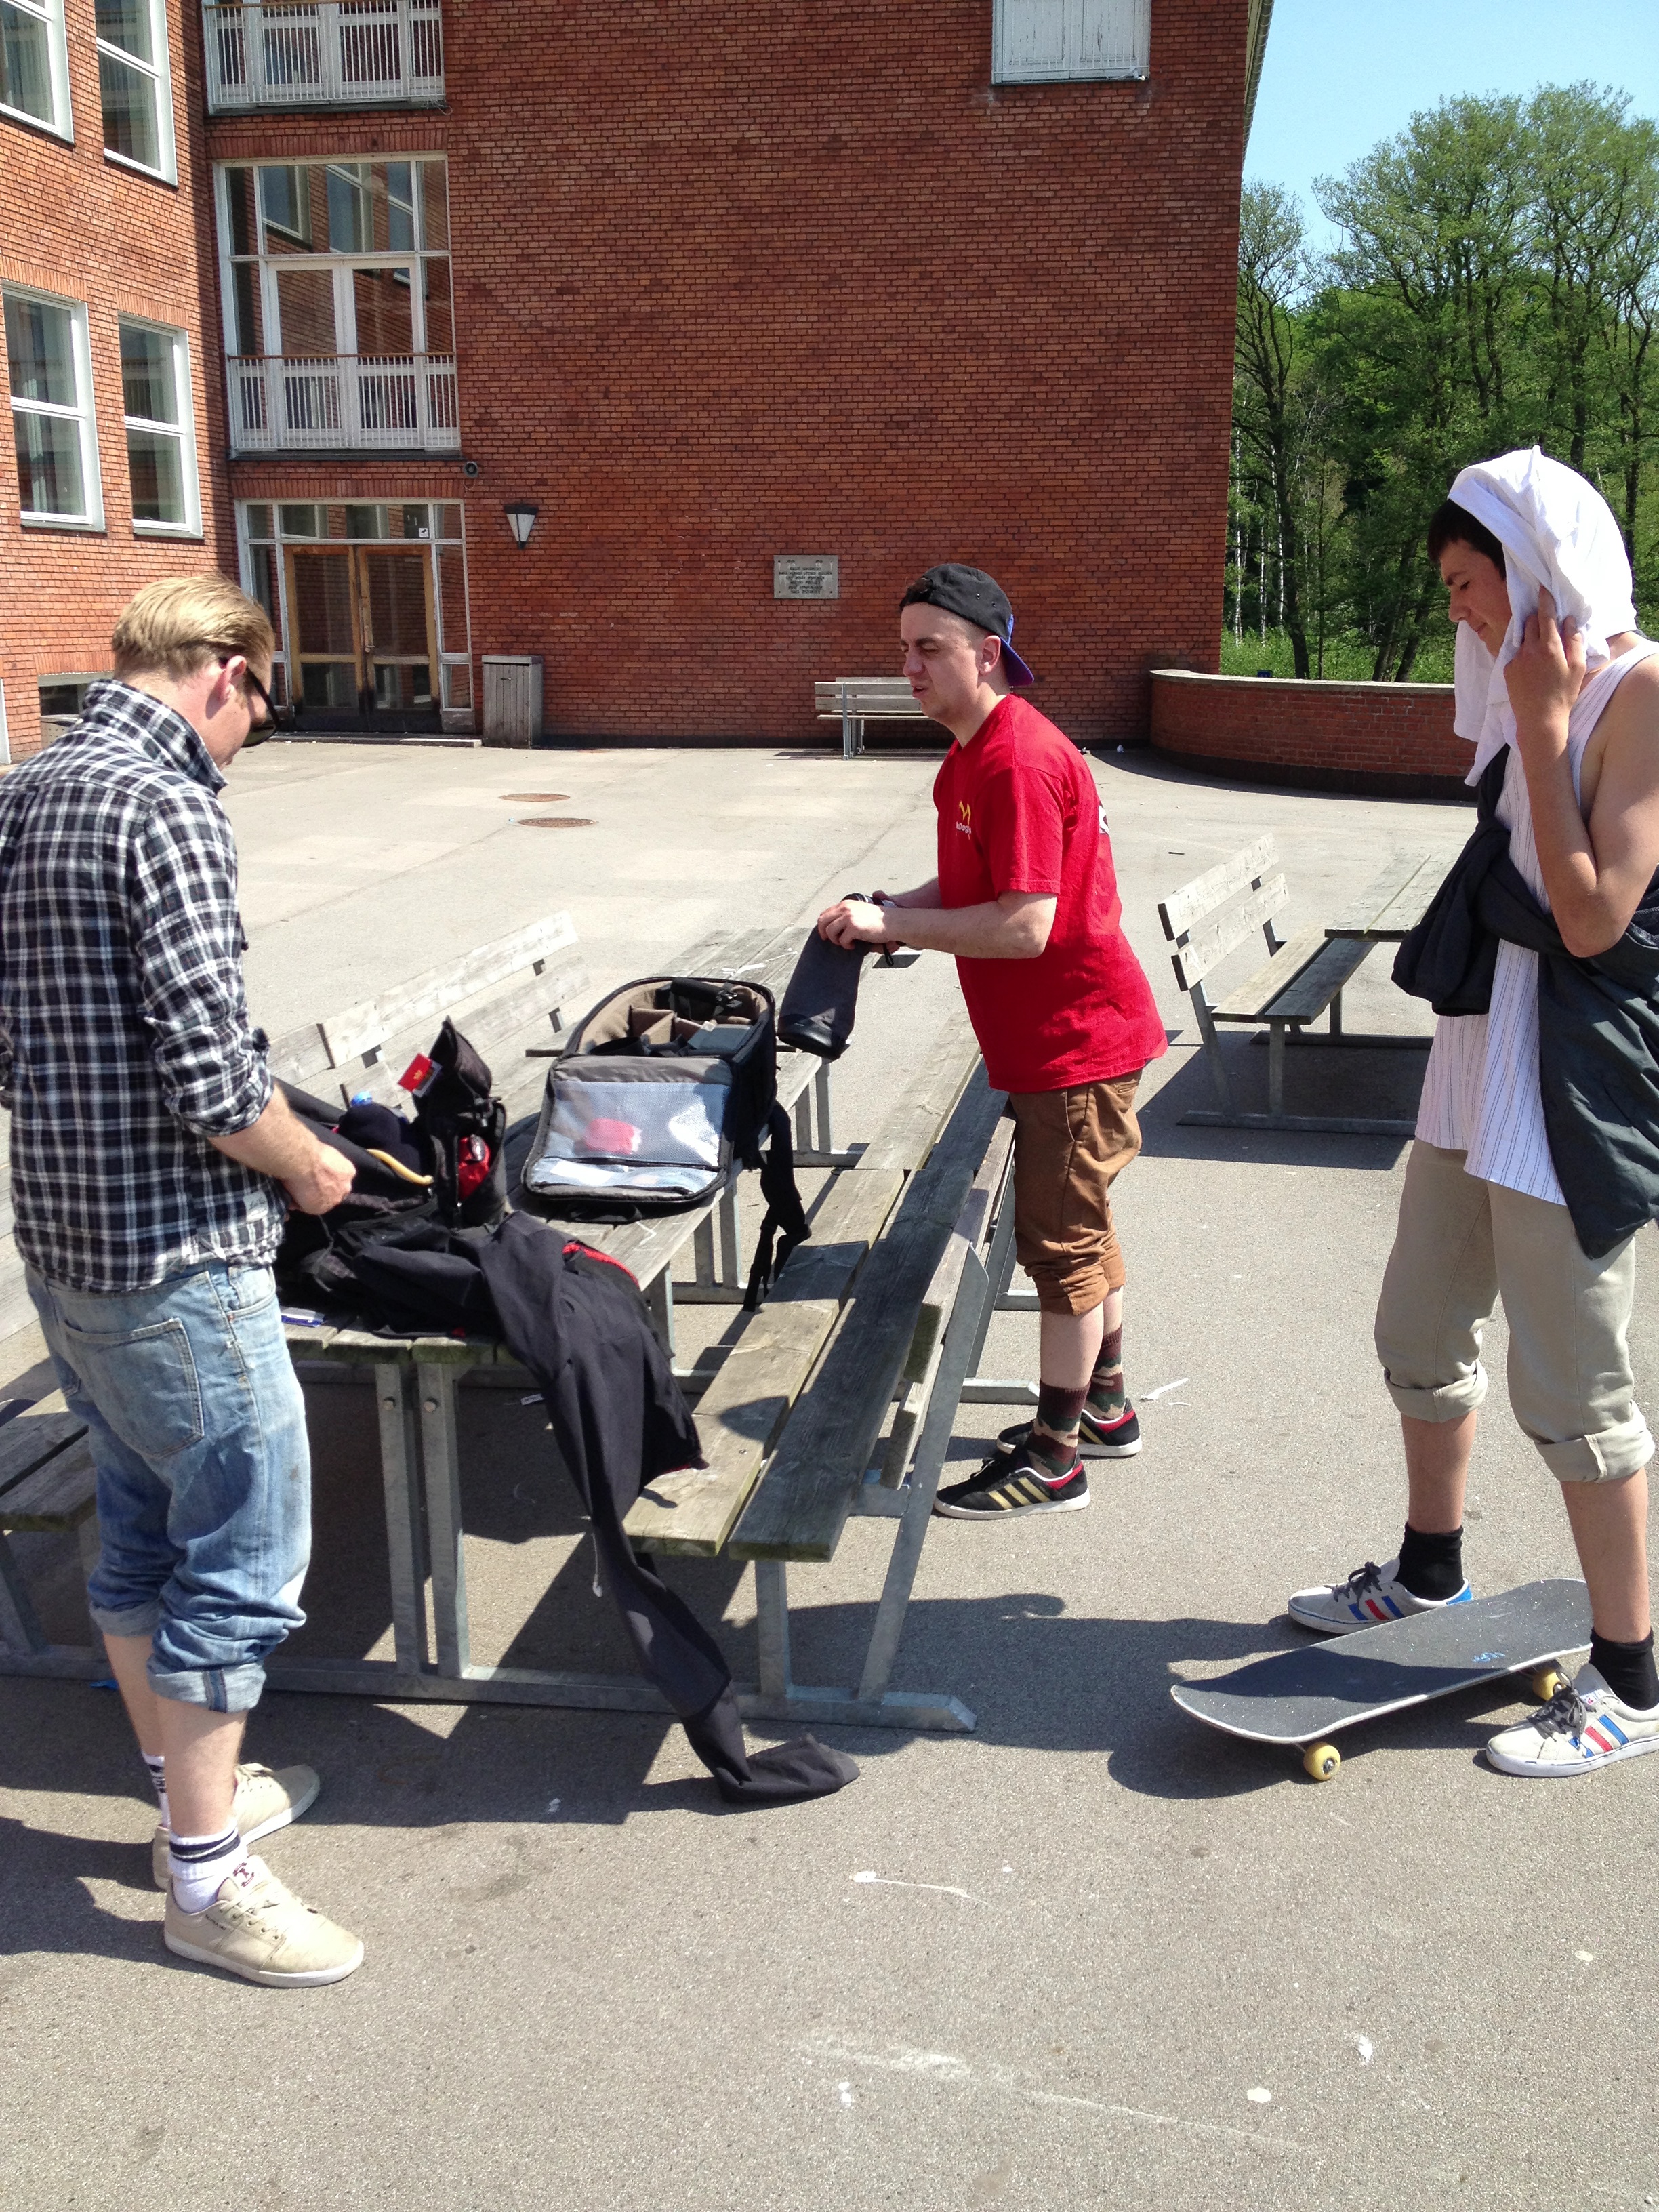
(1014, 1480)
(1096, 1439)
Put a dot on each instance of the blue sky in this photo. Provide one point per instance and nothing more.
(1341, 74)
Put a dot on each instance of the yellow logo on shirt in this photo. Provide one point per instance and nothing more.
(965, 820)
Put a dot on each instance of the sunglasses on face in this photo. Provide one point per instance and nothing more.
(284, 717)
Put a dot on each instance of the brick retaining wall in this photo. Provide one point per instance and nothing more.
(1395, 739)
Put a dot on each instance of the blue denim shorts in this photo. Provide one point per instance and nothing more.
(198, 1428)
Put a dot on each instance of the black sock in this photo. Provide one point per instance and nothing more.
(1627, 1669)
(1432, 1566)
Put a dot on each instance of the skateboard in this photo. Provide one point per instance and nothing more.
(1301, 1697)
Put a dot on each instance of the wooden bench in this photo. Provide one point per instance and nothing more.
(852, 700)
(1207, 918)
(47, 1487)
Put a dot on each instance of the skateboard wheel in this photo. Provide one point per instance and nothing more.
(1546, 1683)
(1321, 1760)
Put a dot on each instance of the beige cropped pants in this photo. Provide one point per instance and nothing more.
(1462, 1244)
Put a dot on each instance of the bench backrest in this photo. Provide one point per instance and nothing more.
(876, 695)
(515, 983)
(1208, 917)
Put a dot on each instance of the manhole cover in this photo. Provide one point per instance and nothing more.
(541, 798)
(554, 821)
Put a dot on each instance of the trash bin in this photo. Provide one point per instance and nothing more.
(512, 698)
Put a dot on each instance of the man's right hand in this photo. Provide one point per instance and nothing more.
(321, 1190)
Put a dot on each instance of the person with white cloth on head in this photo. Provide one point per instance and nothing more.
(1549, 665)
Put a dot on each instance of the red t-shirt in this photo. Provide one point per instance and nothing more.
(1019, 811)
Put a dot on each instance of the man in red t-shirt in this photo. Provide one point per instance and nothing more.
(1026, 898)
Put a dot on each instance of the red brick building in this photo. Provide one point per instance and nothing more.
(708, 286)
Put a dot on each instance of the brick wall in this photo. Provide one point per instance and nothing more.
(1392, 739)
(742, 277)
(87, 229)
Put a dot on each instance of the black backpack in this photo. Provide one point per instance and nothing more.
(662, 1086)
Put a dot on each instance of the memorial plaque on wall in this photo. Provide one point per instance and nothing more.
(805, 576)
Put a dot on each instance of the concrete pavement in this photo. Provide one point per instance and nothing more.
(1107, 1959)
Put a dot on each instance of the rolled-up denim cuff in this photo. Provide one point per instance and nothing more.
(1608, 1456)
(221, 1689)
(139, 1620)
(1448, 1401)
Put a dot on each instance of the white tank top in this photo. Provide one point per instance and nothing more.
(1481, 1092)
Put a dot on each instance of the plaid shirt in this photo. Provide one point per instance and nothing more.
(124, 1038)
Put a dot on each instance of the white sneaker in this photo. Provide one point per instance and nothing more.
(1583, 1727)
(1371, 1595)
(260, 1931)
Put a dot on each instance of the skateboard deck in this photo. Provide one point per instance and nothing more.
(1300, 1697)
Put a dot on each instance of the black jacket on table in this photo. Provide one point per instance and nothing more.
(578, 1322)
(1598, 1022)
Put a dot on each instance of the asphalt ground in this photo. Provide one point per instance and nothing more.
(1093, 1953)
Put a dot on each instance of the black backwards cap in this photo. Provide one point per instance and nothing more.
(978, 598)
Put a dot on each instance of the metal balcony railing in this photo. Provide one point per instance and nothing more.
(318, 53)
(351, 403)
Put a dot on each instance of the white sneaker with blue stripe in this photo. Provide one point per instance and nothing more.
(1371, 1595)
(1583, 1727)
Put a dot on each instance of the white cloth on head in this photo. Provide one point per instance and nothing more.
(1558, 535)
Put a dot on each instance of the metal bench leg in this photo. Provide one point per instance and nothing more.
(659, 1297)
(399, 1456)
(978, 1390)
(826, 1141)
(772, 1626)
(973, 1299)
(19, 1624)
(1212, 1042)
(1336, 1015)
(802, 1119)
(89, 1544)
(441, 1475)
(731, 1221)
(1276, 1067)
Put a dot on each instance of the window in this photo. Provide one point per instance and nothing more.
(161, 439)
(1039, 42)
(34, 64)
(322, 260)
(136, 85)
(51, 371)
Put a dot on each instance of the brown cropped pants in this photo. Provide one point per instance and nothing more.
(1070, 1147)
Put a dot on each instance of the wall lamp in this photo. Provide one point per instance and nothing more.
(521, 519)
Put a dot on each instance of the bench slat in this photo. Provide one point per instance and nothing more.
(363, 1027)
(518, 1016)
(1319, 982)
(1210, 941)
(28, 1441)
(1378, 895)
(1411, 900)
(56, 1497)
(1182, 909)
(906, 1136)
(802, 1502)
(1298, 983)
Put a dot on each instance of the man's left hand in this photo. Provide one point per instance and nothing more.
(853, 922)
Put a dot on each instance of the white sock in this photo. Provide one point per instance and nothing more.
(155, 1767)
(201, 1863)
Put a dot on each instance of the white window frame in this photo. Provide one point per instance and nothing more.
(62, 121)
(83, 414)
(161, 73)
(1004, 69)
(404, 261)
(184, 430)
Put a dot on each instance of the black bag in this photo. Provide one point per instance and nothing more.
(441, 1173)
(662, 1086)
